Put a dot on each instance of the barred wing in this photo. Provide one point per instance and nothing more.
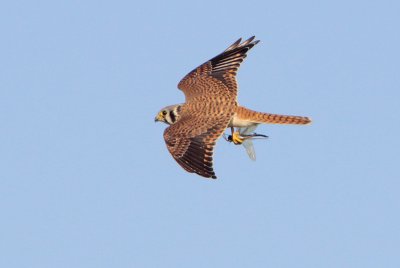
(217, 75)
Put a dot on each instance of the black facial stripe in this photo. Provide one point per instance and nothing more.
(178, 109)
(172, 116)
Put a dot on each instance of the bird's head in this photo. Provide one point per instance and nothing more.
(169, 115)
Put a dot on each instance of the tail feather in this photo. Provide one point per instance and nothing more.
(284, 119)
(267, 118)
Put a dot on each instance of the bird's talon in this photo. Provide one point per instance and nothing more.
(236, 138)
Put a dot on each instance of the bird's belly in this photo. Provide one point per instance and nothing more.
(238, 122)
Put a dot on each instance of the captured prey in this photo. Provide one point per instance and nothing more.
(244, 136)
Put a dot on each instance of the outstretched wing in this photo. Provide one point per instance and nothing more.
(248, 143)
(210, 92)
(218, 75)
(249, 146)
(192, 139)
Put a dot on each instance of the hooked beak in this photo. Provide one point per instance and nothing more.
(158, 118)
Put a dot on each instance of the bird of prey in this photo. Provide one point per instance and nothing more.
(210, 107)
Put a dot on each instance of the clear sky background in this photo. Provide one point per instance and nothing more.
(87, 181)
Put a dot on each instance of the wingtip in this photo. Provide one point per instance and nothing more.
(235, 44)
(251, 41)
(239, 43)
(209, 176)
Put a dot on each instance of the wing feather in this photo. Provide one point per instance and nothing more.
(210, 91)
(191, 142)
(220, 70)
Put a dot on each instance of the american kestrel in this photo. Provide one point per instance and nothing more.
(210, 107)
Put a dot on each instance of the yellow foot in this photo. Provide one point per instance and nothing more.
(236, 138)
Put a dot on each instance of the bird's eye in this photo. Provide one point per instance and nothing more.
(164, 112)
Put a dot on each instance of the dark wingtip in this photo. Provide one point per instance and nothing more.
(235, 44)
(238, 43)
(209, 175)
(250, 41)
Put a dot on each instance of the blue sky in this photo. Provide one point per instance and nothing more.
(86, 179)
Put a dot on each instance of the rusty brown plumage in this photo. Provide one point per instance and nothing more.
(218, 75)
(210, 107)
(210, 91)
(267, 118)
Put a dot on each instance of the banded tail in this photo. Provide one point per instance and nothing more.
(267, 118)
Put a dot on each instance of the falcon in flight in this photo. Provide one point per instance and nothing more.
(210, 107)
